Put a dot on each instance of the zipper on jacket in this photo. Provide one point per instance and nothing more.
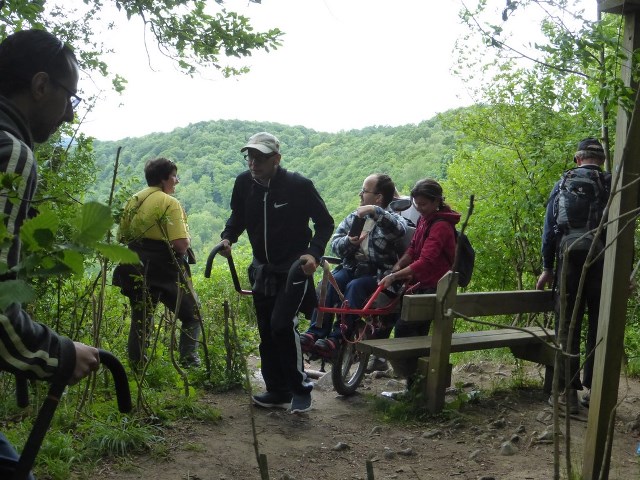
(264, 200)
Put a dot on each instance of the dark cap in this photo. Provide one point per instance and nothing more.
(590, 148)
(591, 145)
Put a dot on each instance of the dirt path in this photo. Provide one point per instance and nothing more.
(334, 440)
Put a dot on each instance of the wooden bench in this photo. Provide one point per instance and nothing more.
(414, 347)
(430, 354)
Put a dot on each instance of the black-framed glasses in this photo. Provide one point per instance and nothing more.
(73, 98)
(257, 157)
(363, 191)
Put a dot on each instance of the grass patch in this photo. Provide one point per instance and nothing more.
(195, 447)
(121, 438)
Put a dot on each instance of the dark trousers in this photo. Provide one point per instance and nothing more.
(590, 300)
(355, 290)
(280, 354)
(145, 298)
(8, 459)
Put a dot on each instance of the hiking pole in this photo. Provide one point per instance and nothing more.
(45, 415)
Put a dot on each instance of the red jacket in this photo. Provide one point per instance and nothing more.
(433, 256)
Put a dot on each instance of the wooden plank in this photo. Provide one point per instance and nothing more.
(619, 6)
(480, 304)
(538, 352)
(420, 308)
(441, 342)
(618, 262)
(410, 347)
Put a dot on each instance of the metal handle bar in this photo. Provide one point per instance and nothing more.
(232, 269)
(43, 420)
(293, 271)
(331, 260)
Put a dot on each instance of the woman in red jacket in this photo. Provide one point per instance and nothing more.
(431, 251)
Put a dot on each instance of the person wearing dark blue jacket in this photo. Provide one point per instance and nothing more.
(589, 156)
(275, 206)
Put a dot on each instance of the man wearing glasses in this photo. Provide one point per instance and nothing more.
(366, 257)
(275, 206)
(38, 81)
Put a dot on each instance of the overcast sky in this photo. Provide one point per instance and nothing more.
(344, 64)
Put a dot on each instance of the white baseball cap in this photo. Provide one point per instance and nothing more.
(264, 142)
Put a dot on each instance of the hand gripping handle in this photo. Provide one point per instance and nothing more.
(43, 420)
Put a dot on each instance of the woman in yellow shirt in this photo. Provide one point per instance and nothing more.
(154, 225)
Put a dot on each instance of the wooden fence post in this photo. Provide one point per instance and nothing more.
(437, 376)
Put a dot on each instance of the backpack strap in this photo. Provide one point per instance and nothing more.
(455, 232)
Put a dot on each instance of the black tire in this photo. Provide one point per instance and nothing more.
(348, 368)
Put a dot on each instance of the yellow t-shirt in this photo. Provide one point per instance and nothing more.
(153, 214)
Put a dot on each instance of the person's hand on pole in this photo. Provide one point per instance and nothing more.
(87, 361)
(225, 251)
(308, 264)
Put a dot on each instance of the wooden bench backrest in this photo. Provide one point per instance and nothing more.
(420, 308)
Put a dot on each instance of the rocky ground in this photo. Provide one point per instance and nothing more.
(497, 433)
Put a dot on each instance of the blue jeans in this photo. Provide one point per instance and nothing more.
(8, 459)
(356, 291)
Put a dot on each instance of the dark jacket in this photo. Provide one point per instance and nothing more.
(30, 349)
(276, 217)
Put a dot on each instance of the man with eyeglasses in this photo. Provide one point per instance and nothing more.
(275, 206)
(366, 257)
(38, 78)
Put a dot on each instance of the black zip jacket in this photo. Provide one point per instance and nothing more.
(28, 348)
(276, 217)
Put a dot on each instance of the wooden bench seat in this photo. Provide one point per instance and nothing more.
(429, 355)
(530, 344)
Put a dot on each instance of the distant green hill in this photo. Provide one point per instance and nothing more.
(208, 157)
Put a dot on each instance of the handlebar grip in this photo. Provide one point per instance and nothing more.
(120, 380)
(232, 270)
(214, 252)
(332, 260)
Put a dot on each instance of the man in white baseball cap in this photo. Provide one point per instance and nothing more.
(275, 207)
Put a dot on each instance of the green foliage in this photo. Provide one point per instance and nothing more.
(120, 437)
(208, 158)
(58, 453)
(507, 150)
(43, 255)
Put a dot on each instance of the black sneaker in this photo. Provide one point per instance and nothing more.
(272, 400)
(301, 402)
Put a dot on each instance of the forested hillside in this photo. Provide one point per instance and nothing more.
(208, 157)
